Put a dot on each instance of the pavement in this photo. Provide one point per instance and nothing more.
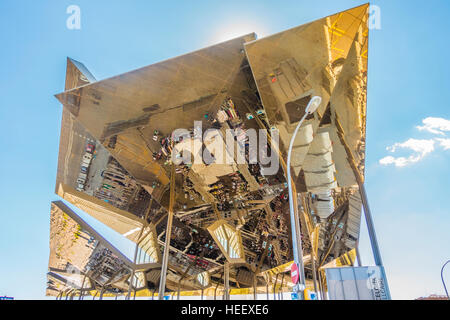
(98, 164)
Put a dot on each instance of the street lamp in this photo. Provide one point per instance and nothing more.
(295, 226)
(442, 278)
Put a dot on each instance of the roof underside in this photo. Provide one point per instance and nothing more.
(269, 81)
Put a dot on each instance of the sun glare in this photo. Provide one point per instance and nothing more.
(231, 31)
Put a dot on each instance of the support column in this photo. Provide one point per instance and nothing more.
(322, 287)
(314, 271)
(137, 249)
(165, 262)
(217, 285)
(280, 296)
(358, 256)
(226, 267)
(367, 214)
(81, 289)
(372, 234)
(275, 287)
(254, 286)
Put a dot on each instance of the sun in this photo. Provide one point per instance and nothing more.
(232, 30)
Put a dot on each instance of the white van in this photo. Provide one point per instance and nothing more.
(87, 156)
(86, 162)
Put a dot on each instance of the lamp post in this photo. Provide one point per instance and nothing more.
(442, 278)
(295, 226)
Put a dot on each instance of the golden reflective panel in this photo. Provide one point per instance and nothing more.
(148, 247)
(116, 143)
(122, 112)
(204, 279)
(229, 240)
(326, 58)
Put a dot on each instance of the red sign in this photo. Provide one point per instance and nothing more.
(294, 273)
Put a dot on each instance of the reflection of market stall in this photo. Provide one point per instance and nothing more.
(81, 260)
(226, 222)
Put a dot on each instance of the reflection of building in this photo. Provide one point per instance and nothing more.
(118, 187)
(80, 256)
(229, 240)
(81, 260)
(241, 85)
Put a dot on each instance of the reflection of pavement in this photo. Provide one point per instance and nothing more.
(78, 140)
(98, 164)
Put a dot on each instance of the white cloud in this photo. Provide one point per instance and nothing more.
(398, 162)
(444, 143)
(435, 125)
(421, 148)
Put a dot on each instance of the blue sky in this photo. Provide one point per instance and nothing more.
(408, 64)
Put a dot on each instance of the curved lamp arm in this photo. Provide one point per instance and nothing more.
(442, 278)
(296, 243)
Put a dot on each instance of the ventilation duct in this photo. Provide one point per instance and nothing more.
(324, 204)
(318, 165)
(354, 219)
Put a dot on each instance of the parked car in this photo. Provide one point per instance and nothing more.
(84, 169)
(86, 162)
(90, 148)
(87, 156)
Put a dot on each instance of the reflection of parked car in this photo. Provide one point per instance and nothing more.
(86, 161)
(90, 148)
(84, 169)
(87, 156)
